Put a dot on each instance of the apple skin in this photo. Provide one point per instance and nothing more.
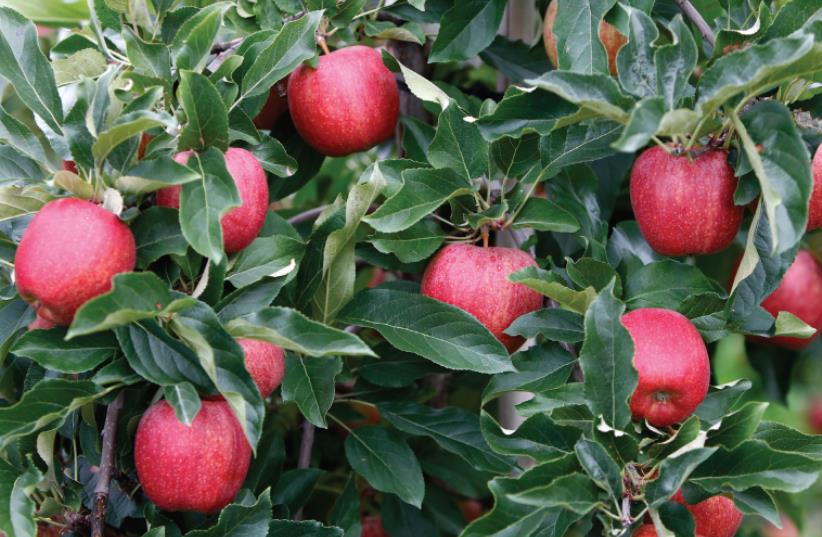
(799, 293)
(198, 468)
(242, 224)
(815, 207)
(68, 255)
(265, 362)
(672, 363)
(69, 166)
(685, 207)
(273, 109)
(475, 279)
(40, 324)
(349, 103)
(611, 38)
(372, 527)
(789, 529)
(646, 530)
(815, 415)
(717, 516)
(471, 510)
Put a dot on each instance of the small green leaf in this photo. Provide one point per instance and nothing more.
(194, 38)
(309, 382)
(575, 492)
(788, 324)
(600, 467)
(184, 400)
(552, 286)
(458, 145)
(414, 244)
(466, 29)
(49, 349)
(246, 520)
(207, 117)
(597, 92)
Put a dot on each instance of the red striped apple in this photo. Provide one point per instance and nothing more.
(815, 207)
(717, 516)
(265, 363)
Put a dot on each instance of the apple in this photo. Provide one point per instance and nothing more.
(646, 530)
(265, 362)
(471, 510)
(242, 224)
(685, 206)
(717, 516)
(799, 293)
(815, 207)
(475, 279)
(69, 166)
(273, 109)
(372, 527)
(349, 103)
(40, 324)
(789, 529)
(815, 415)
(68, 255)
(609, 36)
(191, 468)
(672, 363)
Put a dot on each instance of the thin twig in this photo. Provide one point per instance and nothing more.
(696, 17)
(98, 520)
(306, 446)
(310, 214)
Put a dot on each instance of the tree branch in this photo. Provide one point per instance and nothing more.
(306, 445)
(98, 519)
(310, 214)
(696, 17)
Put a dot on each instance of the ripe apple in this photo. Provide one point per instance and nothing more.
(815, 415)
(265, 362)
(815, 207)
(349, 103)
(475, 279)
(609, 36)
(372, 527)
(471, 510)
(717, 516)
(789, 529)
(799, 293)
(241, 224)
(69, 166)
(191, 468)
(68, 255)
(683, 205)
(672, 363)
(274, 107)
(40, 324)
(646, 530)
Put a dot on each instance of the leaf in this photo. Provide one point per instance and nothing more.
(606, 358)
(444, 334)
(575, 492)
(545, 215)
(666, 284)
(17, 168)
(18, 201)
(738, 426)
(553, 323)
(596, 92)
(184, 400)
(538, 368)
(294, 487)
(458, 145)
(413, 244)
(643, 124)
(309, 382)
(420, 87)
(520, 112)
(194, 38)
(207, 124)
(635, 60)
(85, 63)
(404, 520)
(245, 520)
(384, 459)
(293, 45)
(267, 257)
(576, 144)
(157, 234)
(788, 324)
(720, 401)
(576, 28)
(410, 32)
(25, 66)
(466, 29)
(600, 467)
(45, 405)
(515, 59)
(423, 191)
(20, 137)
(538, 438)
(346, 510)
(203, 203)
(294, 331)
(127, 126)
(782, 164)
(673, 472)
(154, 174)
(303, 528)
(133, 297)
(150, 59)
(48, 348)
(675, 63)
(550, 285)
(274, 158)
(453, 429)
(782, 438)
(249, 299)
(16, 508)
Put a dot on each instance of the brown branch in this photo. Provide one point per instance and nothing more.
(696, 17)
(306, 446)
(98, 519)
(310, 214)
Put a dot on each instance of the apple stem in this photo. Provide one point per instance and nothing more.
(323, 44)
(98, 520)
(485, 236)
(696, 17)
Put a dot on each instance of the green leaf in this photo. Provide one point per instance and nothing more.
(782, 164)
(150, 175)
(203, 203)
(157, 233)
(18, 201)
(16, 167)
(515, 59)
(410, 32)
(294, 331)
(553, 323)
(346, 511)
(606, 358)
(68, 11)
(25, 66)
(520, 112)
(45, 406)
(302, 528)
(720, 400)
(600, 467)
(49, 349)
(150, 59)
(575, 492)
(738, 426)
(184, 400)
(442, 333)
(395, 369)
(675, 63)
(423, 191)
(134, 296)
(453, 429)
(245, 520)
(19, 136)
(577, 33)
(294, 44)
(193, 40)
(552, 286)
(788, 324)
(576, 144)
(127, 126)
(458, 145)
(635, 61)
(642, 125)
(666, 284)
(538, 368)
(207, 117)
(673, 472)
(538, 438)
(466, 29)
(309, 382)
(414, 244)
(783, 438)
(272, 256)
(544, 215)
(16, 507)
(294, 487)
(274, 158)
(596, 92)
(404, 520)
(384, 459)
(85, 63)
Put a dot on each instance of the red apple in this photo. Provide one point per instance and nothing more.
(191, 468)
(68, 255)
(265, 362)
(377, 278)
(274, 107)
(683, 205)
(609, 36)
(40, 324)
(349, 103)
(70, 166)
(471, 510)
(646, 530)
(475, 279)
(717, 516)
(815, 415)
(815, 207)
(789, 529)
(241, 224)
(799, 293)
(672, 363)
(372, 527)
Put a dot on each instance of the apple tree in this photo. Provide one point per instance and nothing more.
(475, 268)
